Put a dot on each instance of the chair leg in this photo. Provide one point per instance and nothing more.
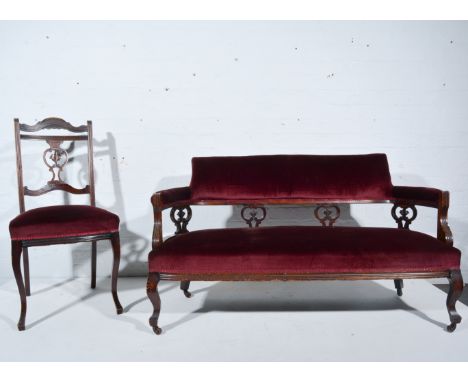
(153, 295)
(184, 286)
(399, 286)
(93, 264)
(16, 250)
(115, 241)
(27, 279)
(455, 291)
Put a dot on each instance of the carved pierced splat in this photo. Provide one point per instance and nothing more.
(407, 213)
(252, 212)
(181, 216)
(326, 214)
(55, 158)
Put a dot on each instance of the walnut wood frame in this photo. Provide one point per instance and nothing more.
(444, 234)
(19, 248)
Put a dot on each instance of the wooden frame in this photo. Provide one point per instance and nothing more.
(20, 247)
(443, 234)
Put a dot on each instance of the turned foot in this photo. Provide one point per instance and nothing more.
(399, 286)
(455, 291)
(451, 327)
(153, 295)
(184, 286)
(119, 309)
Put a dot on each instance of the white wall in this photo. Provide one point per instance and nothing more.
(162, 92)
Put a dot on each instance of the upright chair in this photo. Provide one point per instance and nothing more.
(61, 224)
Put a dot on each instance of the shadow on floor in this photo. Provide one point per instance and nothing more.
(102, 287)
(318, 296)
(299, 296)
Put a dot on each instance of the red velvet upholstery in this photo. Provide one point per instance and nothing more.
(62, 221)
(303, 250)
(422, 195)
(173, 195)
(346, 177)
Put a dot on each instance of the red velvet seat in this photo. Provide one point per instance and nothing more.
(63, 221)
(301, 250)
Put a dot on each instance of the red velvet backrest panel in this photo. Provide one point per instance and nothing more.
(347, 177)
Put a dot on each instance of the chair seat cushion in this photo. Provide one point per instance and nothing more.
(62, 221)
(299, 250)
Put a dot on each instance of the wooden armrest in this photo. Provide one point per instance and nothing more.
(424, 196)
(168, 198)
(162, 200)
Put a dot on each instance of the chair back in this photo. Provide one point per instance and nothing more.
(55, 157)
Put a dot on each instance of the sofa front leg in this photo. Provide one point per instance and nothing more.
(184, 286)
(153, 295)
(455, 291)
(399, 286)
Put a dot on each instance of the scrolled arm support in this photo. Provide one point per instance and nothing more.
(444, 233)
(428, 197)
(166, 199)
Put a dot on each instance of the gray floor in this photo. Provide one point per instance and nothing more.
(331, 321)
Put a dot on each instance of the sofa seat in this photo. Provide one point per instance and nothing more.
(301, 250)
(63, 221)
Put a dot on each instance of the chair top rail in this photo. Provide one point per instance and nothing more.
(54, 137)
(52, 123)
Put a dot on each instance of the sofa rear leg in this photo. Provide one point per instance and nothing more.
(455, 291)
(184, 286)
(153, 295)
(399, 286)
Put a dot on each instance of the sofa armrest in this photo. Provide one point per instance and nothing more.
(166, 199)
(424, 196)
(429, 197)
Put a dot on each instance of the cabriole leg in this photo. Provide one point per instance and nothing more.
(184, 286)
(16, 250)
(93, 264)
(399, 286)
(455, 291)
(115, 241)
(27, 279)
(153, 295)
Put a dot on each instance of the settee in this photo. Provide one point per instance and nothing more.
(306, 252)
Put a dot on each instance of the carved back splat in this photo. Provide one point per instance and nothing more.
(405, 218)
(181, 218)
(55, 157)
(252, 211)
(326, 214)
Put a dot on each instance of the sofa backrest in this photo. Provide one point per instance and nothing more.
(341, 177)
